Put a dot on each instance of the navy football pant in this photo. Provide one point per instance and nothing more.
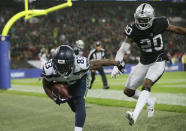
(77, 103)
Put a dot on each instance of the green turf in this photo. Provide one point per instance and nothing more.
(30, 113)
(171, 82)
(168, 79)
(106, 102)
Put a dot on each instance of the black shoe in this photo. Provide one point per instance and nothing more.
(106, 87)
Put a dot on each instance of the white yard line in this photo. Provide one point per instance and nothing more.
(27, 88)
(168, 81)
(162, 98)
(173, 86)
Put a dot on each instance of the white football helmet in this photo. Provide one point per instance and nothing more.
(144, 16)
(80, 44)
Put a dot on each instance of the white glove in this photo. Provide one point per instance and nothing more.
(115, 72)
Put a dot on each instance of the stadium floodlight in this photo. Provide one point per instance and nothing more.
(4, 38)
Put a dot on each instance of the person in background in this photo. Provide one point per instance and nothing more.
(184, 61)
(98, 54)
(43, 56)
(52, 52)
(79, 47)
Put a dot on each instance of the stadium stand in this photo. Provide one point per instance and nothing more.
(105, 21)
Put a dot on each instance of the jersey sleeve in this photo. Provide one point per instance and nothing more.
(128, 30)
(47, 70)
(86, 65)
(164, 22)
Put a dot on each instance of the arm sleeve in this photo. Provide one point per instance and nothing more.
(122, 50)
(47, 71)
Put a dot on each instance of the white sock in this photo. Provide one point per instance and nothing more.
(137, 94)
(142, 100)
(78, 129)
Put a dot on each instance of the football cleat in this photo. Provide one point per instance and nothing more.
(130, 117)
(150, 107)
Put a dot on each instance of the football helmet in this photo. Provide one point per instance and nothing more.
(144, 16)
(63, 59)
(80, 44)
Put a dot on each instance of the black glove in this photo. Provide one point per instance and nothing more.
(59, 101)
(121, 66)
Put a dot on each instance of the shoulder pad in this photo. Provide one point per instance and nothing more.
(82, 62)
(163, 21)
(102, 49)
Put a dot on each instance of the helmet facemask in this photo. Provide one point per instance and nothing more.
(64, 67)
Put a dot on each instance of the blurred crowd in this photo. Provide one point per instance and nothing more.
(90, 23)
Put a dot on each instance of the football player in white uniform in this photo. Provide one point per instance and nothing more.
(70, 70)
(146, 32)
(79, 47)
(43, 56)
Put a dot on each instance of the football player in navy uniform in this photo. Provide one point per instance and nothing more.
(146, 32)
(71, 70)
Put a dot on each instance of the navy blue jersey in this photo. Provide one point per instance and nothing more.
(149, 41)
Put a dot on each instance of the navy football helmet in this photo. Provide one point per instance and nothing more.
(63, 59)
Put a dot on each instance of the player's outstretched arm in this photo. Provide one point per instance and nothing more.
(119, 56)
(123, 49)
(96, 64)
(177, 29)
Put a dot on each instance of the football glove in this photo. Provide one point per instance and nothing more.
(115, 72)
(59, 101)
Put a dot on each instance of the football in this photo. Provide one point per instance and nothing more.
(60, 90)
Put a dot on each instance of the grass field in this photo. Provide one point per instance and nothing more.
(26, 108)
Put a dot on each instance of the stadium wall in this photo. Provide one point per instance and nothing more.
(36, 73)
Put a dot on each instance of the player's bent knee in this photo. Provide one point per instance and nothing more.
(147, 84)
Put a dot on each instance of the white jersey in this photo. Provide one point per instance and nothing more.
(81, 67)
